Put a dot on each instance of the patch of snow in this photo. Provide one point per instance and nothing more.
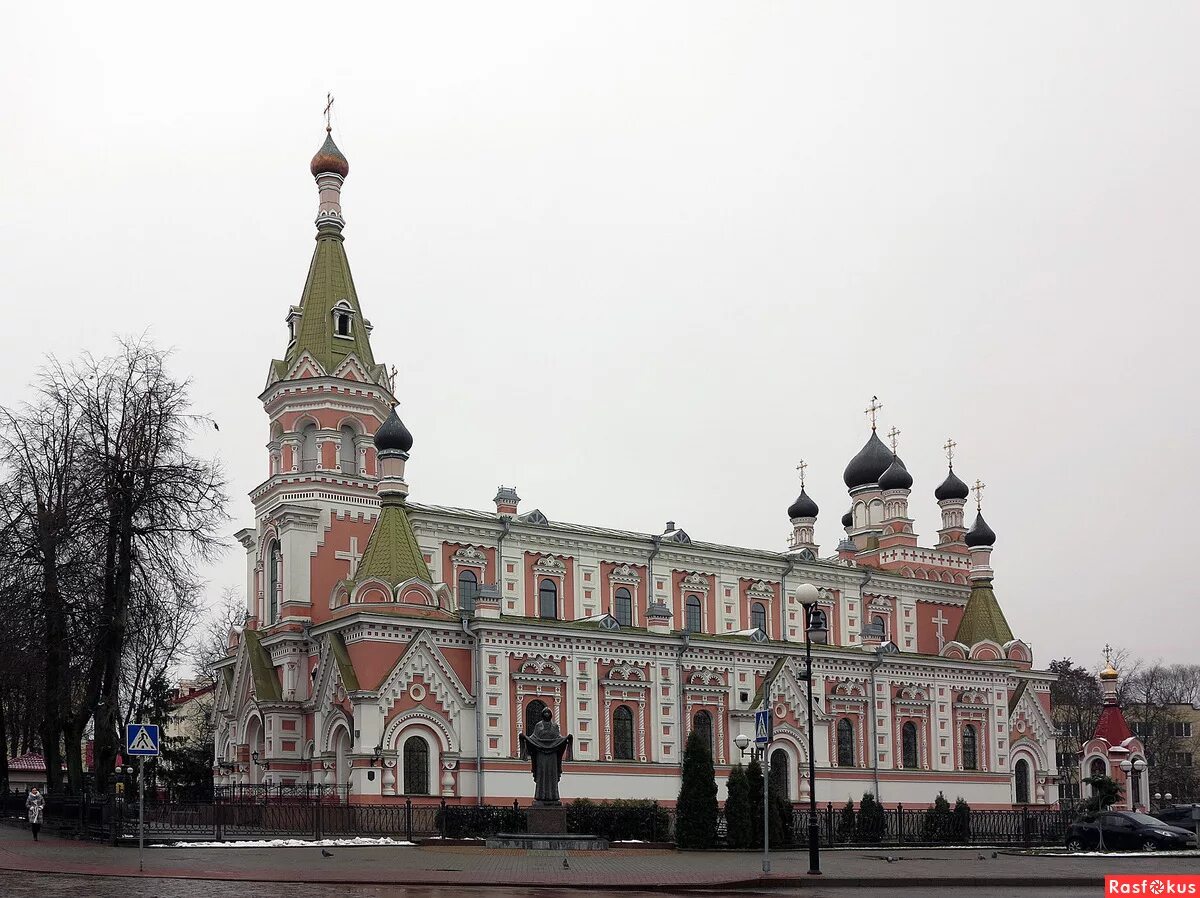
(359, 842)
(630, 842)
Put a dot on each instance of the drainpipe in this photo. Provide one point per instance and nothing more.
(791, 566)
(876, 662)
(687, 640)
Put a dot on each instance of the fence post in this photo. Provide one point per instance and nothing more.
(408, 819)
(319, 806)
(1025, 825)
(829, 822)
(443, 817)
(899, 823)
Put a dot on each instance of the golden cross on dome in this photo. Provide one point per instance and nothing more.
(328, 110)
(800, 467)
(949, 447)
(1108, 654)
(873, 409)
(892, 434)
(978, 489)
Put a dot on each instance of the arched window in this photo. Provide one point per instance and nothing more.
(1097, 768)
(308, 448)
(348, 452)
(702, 723)
(468, 589)
(623, 734)
(845, 743)
(548, 599)
(908, 745)
(692, 621)
(1021, 774)
(343, 319)
(623, 610)
(533, 713)
(780, 774)
(880, 626)
(274, 561)
(758, 616)
(970, 748)
(416, 766)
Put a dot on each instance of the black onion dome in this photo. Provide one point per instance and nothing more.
(896, 477)
(980, 534)
(393, 436)
(329, 159)
(872, 460)
(848, 518)
(951, 488)
(803, 507)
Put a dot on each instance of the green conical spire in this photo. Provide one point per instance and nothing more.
(392, 554)
(330, 324)
(983, 618)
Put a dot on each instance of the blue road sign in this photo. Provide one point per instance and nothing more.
(763, 727)
(141, 739)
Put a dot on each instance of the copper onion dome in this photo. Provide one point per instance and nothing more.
(329, 159)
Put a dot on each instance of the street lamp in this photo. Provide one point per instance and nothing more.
(815, 630)
(265, 765)
(1137, 767)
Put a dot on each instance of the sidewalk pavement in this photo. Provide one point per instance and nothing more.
(615, 869)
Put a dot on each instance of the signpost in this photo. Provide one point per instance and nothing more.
(764, 729)
(141, 741)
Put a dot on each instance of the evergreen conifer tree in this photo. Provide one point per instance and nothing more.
(737, 809)
(754, 779)
(696, 809)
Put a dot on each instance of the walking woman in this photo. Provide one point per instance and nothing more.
(34, 805)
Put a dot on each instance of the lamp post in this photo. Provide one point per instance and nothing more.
(1135, 769)
(815, 630)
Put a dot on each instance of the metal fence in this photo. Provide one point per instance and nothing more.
(244, 813)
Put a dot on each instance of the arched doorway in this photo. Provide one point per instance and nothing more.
(781, 773)
(341, 759)
(1021, 781)
(256, 743)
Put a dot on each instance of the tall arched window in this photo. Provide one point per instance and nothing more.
(468, 589)
(548, 599)
(758, 616)
(970, 748)
(416, 766)
(880, 625)
(308, 448)
(908, 745)
(692, 620)
(780, 774)
(347, 451)
(533, 713)
(702, 723)
(623, 734)
(845, 743)
(1097, 768)
(274, 561)
(623, 610)
(1021, 774)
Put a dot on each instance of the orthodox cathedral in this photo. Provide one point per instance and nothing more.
(395, 648)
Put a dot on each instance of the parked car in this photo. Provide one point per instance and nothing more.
(1179, 815)
(1127, 831)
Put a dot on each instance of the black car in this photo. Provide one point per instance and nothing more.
(1180, 815)
(1127, 831)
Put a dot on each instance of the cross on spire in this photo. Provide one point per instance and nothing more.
(978, 489)
(1108, 650)
(801, 467)
(949, 447)
(872, 410)
(892, 434)
(328, 110)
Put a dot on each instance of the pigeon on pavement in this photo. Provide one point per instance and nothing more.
(325, 853)
(566, 866)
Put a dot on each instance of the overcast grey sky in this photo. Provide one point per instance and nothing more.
(638, 259)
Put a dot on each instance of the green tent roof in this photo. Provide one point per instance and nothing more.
(266, 684)
(337, 645)
(392, 553)
(983, 618)
(329, 283)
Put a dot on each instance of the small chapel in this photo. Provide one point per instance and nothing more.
(396, 648)
(1114, 751)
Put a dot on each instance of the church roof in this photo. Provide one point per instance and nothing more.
(982, 619)
(266, 684)
(337, 647)
(392, 554)
(1112, 726)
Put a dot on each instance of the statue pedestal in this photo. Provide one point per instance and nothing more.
(546, 820)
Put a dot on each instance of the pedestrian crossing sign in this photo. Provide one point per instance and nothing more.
(763, 729)
(141, 739)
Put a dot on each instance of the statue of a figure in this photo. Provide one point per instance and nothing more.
(545, 747)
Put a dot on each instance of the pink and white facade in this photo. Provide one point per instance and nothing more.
(399, 646)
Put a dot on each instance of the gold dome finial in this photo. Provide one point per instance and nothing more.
(1109, 672)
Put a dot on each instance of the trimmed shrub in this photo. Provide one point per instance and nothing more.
(754, 779)
(737, 809)
(938, 823)
(962, 821)
(846, 828)
(872, 819)
(696, 809)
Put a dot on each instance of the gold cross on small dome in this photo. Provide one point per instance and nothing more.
(801, 467)
(949, 447)
(978, 489)
(892, 434)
